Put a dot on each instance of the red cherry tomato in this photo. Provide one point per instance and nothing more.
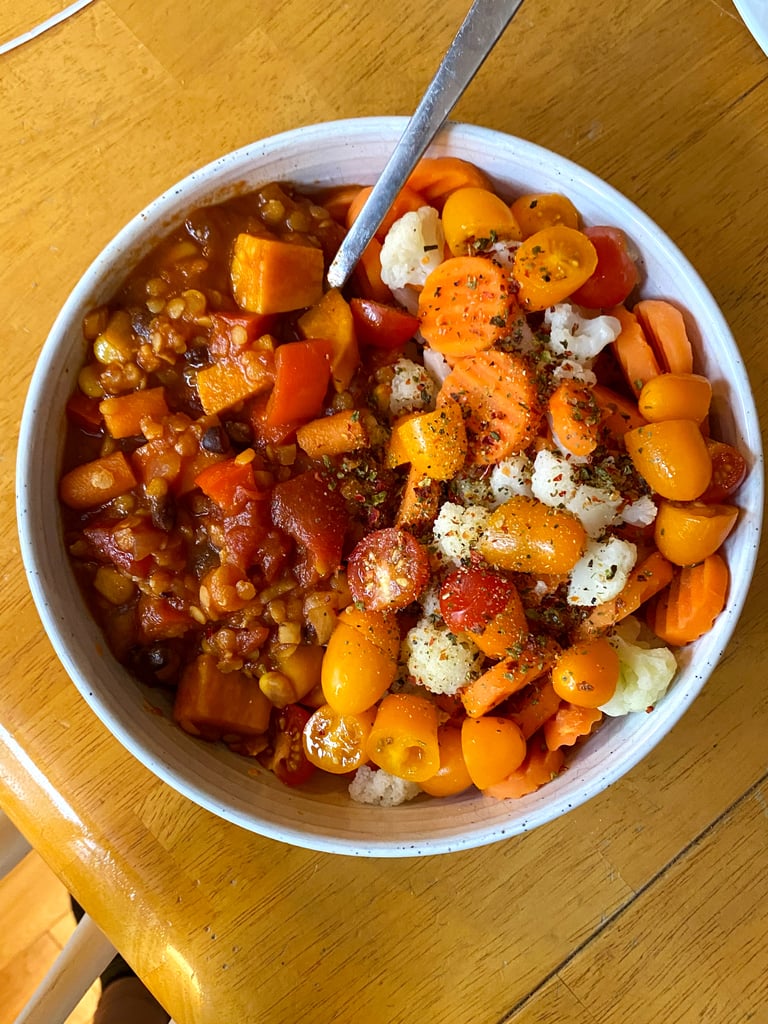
(387, 570)
(290, 763)
(471, 597)
(729, 468)
(616, 273)
(382, 326)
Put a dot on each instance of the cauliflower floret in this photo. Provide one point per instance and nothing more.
(570, 369)
(412, 249)
(511, 477)
(595, 507)
(576, 336)
(645, 673)
(641, 512)
(601, 572)
(457, 530)
(552, 480)
(413, 388)
(438, 659)
(379, 787)
(436, 363)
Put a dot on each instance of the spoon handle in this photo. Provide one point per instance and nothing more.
(479, 33)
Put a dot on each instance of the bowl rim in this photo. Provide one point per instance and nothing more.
(167, 206)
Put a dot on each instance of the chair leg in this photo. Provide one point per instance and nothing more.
(79, 964)
(13, 846)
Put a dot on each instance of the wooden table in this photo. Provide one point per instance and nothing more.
(648, 904)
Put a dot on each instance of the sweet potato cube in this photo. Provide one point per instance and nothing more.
(215, 704)
(271, 276)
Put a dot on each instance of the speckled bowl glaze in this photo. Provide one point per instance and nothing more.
(323, 817)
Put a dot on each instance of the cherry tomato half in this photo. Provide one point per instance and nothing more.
(473, 218)
(689, 532)
(381, 326)
(552, 264)
(290, 763)
(543, 210)
(672, 457)
(615, 275)
(470, 597)
(493, 747)
(729, 468)
(387, 570)
(336, 742)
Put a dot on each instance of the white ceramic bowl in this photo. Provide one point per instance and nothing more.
(324, 818)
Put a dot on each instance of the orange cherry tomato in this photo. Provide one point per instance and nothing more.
(675, 396)
(474, 218)
(729, 469)
(575, 417)
(544, 210)
(452, 775)
(360, 661)
(493, 747)
(587, 673)
(525, 535)
(689, 533)
(403, 740)
(335, 742)
(672, 457)
(387, 570)
(550, 265)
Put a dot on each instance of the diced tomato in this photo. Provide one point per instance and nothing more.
(302, 374)
(729, 468)
(244, 531)
(289, 762)
(265, 433)
(221, 343)
(84, 412)
(387, 570)
(316, 518)
(616, 273)
(161, 620)
(230, 484)
(471, 597)
(382, 326)
(126, 549)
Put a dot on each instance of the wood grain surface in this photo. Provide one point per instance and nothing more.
(648, 904)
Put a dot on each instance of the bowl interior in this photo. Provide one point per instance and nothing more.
(323, 817)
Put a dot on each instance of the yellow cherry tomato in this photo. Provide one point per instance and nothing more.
(551, 265)
(360, 662)
(403, 740)
(672, 457)
(675, 396)
(452, 775)
(544, 210)
(493, 747)
(335, 742)
(525, 535)
(587, 674)
(688, 533)
(474, 218)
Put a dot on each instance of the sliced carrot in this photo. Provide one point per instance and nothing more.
(419, 502)
(575, 417)
(94, 483)
(617, 413)
(540, 766)
(569, 723)
(499, 399)
(688, 609)
(123, 414)
(338, 201)
(437, 177)
(272, 276)
(331, 320)
(645, 580)
(406, 201)
(636, 357)
(333, 435)
(465, 305)
(367, 275)
(531, 707)
(664, 328)
(507, 677)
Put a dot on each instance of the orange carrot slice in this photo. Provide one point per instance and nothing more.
(664, 328)
(631, 348)
(688, 609)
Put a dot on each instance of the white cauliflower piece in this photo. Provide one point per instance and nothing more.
(438, 659)
(601, 572)
(381, 788)
(436, 364)
(641, 512)
(576, 336)
(552, 480)
(457, 530)
(595, 507)
(412, 249)
(510, 477)
(645, 673)
(570, 369)
(413, 388)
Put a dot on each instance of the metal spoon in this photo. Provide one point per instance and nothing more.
(479, 33)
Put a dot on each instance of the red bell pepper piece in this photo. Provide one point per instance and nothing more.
(382, 326)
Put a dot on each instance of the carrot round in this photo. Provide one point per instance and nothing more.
(645, 580)
(465, 305)
(406, 201)
(575, 417)
(540, 766)
(664, 328)
(435, 178)
(688, 609)
(498, 396)
(568, 723)
(636, 357)
(506, 678)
